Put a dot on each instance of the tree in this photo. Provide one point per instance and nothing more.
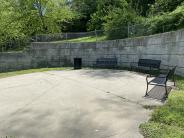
(170, 21)
(141, 6)
(27, 18)
(103, 9)
(85, 8)
(44, 16)
(120, 17)
(9, 29)
(161, 6)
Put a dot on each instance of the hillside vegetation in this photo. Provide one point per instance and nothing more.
(21, 19)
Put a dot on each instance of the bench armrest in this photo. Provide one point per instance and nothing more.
(164, 70)
(94, 62)
(115, 64)
(154, 76)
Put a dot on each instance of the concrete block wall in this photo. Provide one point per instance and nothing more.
(167, 47)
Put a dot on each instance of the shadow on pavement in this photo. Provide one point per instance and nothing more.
(158, 92)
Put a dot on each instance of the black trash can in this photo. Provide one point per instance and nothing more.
(77, 63)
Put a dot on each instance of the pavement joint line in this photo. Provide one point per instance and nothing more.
(98, 89)
(103, 90)
(22, 85)
(31, 102)
(17, 86)
(59, 84)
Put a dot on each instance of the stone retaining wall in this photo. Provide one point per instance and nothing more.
(167, 47)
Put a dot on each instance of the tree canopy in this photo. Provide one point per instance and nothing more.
(8, 28)
(19, 18)
(34, 17)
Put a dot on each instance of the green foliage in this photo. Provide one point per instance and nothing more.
(26, 18)
(142, 7)
(11, 136)
(180, 82)
(161, 6)
(103, 9)
(172, 113)
(44, 16)
(8, 74)
(167, 120)
(149, 107)
(9, 29)
(120, 18)
(20, 18)
(159, 130)
(16, 45)
(84, 8)
(170, 21)
(86, 39)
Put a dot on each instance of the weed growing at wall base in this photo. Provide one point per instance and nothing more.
(11, 136)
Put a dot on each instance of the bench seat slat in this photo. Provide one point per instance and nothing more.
(157, 80)
(147, 64)
(145, 68)
(106, 62)
(161, 80)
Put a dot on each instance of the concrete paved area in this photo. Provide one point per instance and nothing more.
(74, 104)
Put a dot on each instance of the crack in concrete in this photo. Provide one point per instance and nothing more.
(17, 86)
(31, 102)
(97, 89)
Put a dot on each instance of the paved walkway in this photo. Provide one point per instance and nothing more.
(74, 104)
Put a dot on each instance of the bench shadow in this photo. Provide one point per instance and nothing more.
(110, 73)
(158, 92)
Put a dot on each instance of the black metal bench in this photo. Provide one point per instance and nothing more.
(161, 80)
(147, 64)
(106, 62)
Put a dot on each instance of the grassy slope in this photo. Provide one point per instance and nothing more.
(85, 39)
(167, 121)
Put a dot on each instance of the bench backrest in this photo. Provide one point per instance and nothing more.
(149, 62)
(171, 72)
(106, 61)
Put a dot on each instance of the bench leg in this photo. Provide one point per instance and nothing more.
(174, 80)
(166, 90)
(146, 90)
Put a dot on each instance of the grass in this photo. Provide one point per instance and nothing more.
(14, 73)
(11, 136)
(8, 74)
(168, 120)
(85, 39)
(149, 107)
(15, 49)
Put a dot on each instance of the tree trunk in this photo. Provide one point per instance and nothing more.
(39, 6)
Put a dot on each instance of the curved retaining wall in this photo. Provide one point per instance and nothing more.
(167, 47)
